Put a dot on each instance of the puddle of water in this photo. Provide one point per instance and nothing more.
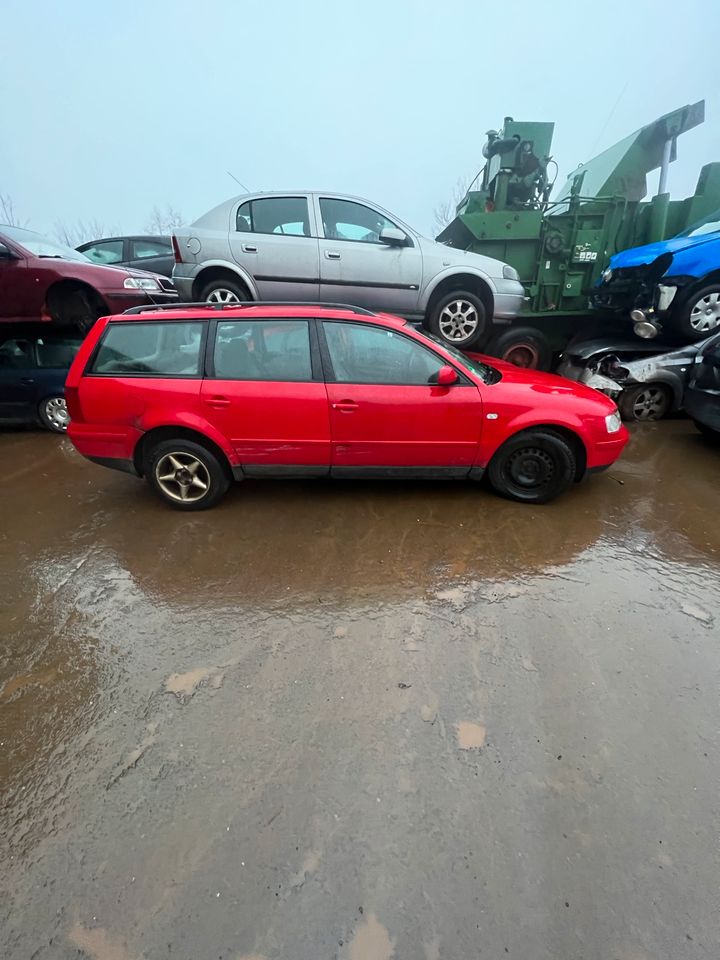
(40, 679)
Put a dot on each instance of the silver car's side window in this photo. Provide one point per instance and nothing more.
(347, 220)
(287, 216)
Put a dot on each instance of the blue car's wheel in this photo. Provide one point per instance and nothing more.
(54, 414)
(697, 315)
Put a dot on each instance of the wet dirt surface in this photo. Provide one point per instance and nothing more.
(360, 721)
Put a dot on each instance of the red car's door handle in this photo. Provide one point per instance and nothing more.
(345, 406)
(217, 401)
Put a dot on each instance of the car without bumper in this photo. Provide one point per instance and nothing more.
(671, 286)
(328, 247)
(646, 381)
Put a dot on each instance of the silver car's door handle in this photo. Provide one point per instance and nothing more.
(332, 255)
(249, 248)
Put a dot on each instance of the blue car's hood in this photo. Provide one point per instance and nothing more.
(691, 255)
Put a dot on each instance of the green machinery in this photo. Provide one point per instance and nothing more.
(559, 247)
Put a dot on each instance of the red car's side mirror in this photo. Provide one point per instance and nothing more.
(446, 376)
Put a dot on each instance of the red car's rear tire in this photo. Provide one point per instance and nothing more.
(534, 466)
(186, 475)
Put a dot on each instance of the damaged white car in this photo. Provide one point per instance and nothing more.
(646, 381)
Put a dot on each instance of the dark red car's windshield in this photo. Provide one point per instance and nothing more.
(40, 246)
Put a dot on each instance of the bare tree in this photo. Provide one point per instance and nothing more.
(8, 214)
(164, 221)
(73, 234)
(445, 212)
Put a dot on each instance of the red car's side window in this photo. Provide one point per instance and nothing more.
(361, 353)
(272, 349)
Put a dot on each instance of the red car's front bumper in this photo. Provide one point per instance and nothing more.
(604, 453)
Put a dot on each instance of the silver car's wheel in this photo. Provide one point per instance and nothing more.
(222, 295)
(651, 402)
(54, 414)
(705, 314)
(182, 477)
(458, 320)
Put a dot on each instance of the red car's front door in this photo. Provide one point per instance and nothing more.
(266, 397)
(384, 412)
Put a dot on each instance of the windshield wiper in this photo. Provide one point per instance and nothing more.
(49, 256)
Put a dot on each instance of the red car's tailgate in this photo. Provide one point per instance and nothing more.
(72, 381)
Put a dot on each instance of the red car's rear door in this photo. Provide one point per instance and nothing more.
(385, 417)
(267, 396)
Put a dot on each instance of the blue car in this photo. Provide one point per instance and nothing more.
(672, 286)
(33, 368)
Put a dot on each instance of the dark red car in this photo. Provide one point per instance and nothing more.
(197, 396)
(44, 280)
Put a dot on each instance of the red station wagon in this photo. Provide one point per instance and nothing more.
(196, 396)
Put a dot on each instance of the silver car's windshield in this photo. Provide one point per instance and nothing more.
(40, 246)
(483, 370)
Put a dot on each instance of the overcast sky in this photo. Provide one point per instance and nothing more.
(107, 109)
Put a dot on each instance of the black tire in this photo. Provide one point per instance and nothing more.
(439, 319)
(646, 402)
(78, 312)
(522, 346)
(534, 466)
(697, 308)
(186, 453)
(53, 413)
(707, 431)
(212, 292)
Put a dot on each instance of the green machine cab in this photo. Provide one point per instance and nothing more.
(560, 246)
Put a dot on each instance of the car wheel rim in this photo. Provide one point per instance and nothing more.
(57, 415)
(705, 315)
(530, 468)
(182, 477)
(649, 404)
(223, 295)
(522, 355)
(458, 320)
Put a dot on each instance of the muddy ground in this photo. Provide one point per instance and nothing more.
(360, 721)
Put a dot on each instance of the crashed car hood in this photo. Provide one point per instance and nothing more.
(639, 256)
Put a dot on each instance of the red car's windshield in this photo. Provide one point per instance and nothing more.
(40, 246)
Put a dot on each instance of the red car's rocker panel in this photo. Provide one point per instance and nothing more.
(192, 397)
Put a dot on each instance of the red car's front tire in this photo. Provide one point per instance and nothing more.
(534, 466)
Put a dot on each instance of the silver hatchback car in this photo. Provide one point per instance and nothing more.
(328, 248)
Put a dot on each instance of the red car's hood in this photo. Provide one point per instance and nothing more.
(545, 382)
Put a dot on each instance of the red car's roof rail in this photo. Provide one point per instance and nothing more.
(176, 305)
